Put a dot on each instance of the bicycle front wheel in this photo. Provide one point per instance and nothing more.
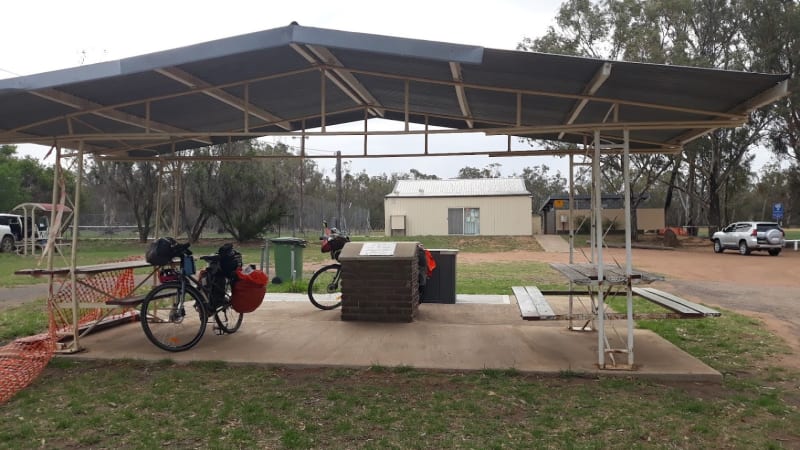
(173, 320)
(325, 287)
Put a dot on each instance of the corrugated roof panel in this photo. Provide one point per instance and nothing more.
(472, 187)
(363, 72)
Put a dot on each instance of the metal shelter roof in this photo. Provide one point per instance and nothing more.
(474, 187)
(300, 79)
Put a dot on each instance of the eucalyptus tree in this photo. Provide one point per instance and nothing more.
(24, 179)
(137, 184)
(772, 31)
(542, 185)
(415, 174)
(489, 171)
(697, 33)
(10, 178)
(250, 195)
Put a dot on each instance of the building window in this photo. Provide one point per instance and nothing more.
(464, 221)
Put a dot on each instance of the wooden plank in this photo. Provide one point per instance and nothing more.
(526, 307)
(127, 301)
(91, 269)
(539, 302)
(532, 305)
(571, 273)
(665, 302)
(683, 306)
(706, 311)
(136, 299)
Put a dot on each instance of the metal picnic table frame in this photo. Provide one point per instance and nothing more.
(99, 294)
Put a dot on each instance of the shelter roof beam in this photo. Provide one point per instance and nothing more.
(490, 153)
(764, 98)
(668, 125)
(523, 131)
(467, 85)
(342, 77)
(455, 69)
(82, 104)
(591, 88)
(154, 99)
(191, 81)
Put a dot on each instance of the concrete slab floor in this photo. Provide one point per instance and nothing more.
(461, 337)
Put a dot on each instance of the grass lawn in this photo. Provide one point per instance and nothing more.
(792, 233)
(132, 404)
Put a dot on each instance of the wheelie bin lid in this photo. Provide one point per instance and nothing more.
(297, 242)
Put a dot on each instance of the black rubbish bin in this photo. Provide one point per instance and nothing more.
(288, 258)
(441, 286)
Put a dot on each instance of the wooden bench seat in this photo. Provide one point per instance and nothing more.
(532, 304)
(128, 302)
(133, 300)
(672, 302)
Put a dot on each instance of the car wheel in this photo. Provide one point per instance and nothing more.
(718, 246)
(743, 248)
(774, 236)
(774, 251)
(7, 245)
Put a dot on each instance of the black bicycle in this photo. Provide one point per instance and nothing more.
(175, 313)
(325, 286)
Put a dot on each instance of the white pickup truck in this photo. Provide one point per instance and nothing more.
(10, 232)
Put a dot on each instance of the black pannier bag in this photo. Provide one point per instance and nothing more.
(161, 251)
(229, 260)
(216, 282)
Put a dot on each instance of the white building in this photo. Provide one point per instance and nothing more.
(482, 206)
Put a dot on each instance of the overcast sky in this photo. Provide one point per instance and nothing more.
(44, 35)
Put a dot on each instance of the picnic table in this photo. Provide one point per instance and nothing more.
(534, 306)
(587, 274)
(102, 295)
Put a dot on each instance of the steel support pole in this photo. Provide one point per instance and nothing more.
(571, 232)
(76, 346)
(57, 173)
(626, 163)
(177, 198)
(51, 232)
(571, 210)
(160, 175)
(598, 233)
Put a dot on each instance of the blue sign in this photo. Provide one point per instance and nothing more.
(777, 211)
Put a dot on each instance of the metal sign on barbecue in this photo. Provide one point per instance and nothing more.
(777, 211)
(378, 249)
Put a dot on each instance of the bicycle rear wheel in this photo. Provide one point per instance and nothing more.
(325, 287)
(170, 325)
(228, 319)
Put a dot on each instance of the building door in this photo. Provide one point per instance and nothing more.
(464, 221)
(455, 220)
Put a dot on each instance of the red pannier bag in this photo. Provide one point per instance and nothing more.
(248, 291)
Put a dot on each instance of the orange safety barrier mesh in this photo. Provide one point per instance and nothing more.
(93, 289)
(22, 360)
